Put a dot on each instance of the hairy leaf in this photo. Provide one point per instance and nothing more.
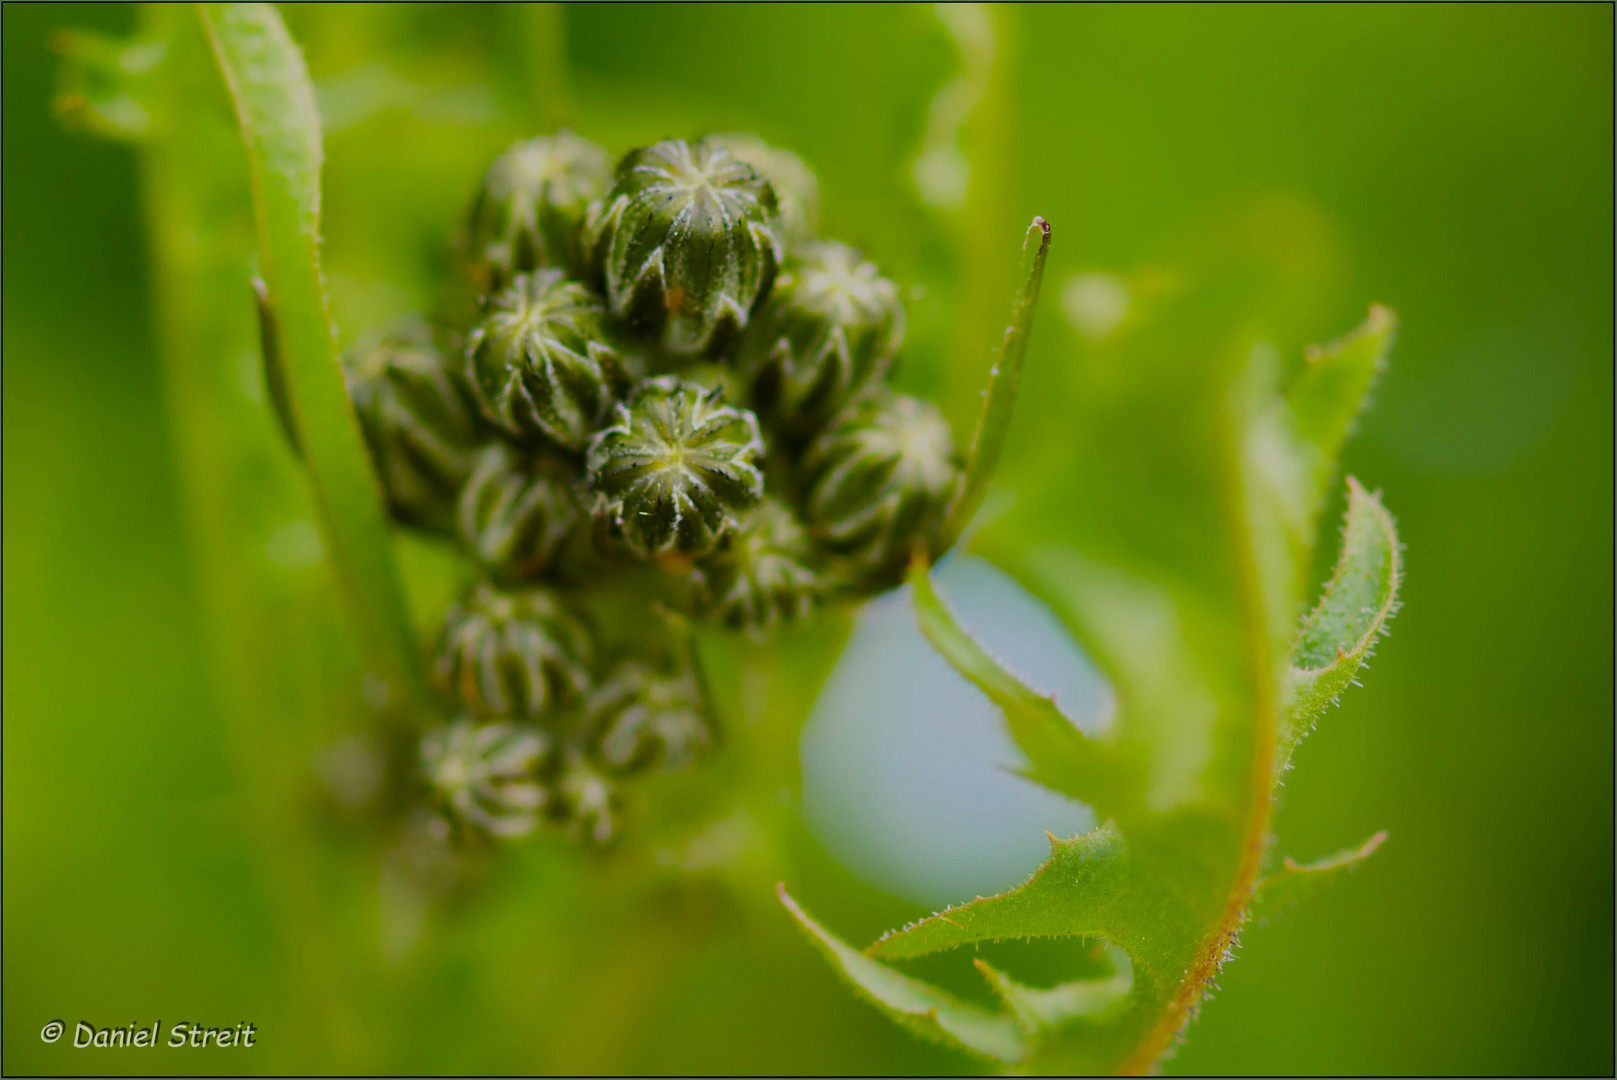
(1340, 633)
(1295, 882)
(1173, 550)
(275, 107)
(920, 1007)
(1076, 893)
(1060, 756)
(1044, 1012)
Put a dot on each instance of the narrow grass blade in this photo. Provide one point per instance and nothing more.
(1003, 382)
(275, 106)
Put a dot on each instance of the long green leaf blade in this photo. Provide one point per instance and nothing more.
(275, 106)
(1003, 382)
(1340, 633)
(920, 1007)
(1060, 756)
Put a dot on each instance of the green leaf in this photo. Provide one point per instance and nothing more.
(1295, 882)
(275, 106)
(1042, 1013)
(1079, 892)
(1340, 633)
(919, 1007)
(1173, 549)
(1060, 756)
(1330, 392)
(1004, 379)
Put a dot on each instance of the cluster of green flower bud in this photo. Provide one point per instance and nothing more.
(672, 388)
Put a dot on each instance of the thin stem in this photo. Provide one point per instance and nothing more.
(544, 30)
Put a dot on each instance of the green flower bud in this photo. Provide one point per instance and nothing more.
(879, 478)
(418, 423)
(686, 242)
(531, 206)
(831, 328)
(538, 362)
(642, 716)
(762, 575)
(487, 773)
(515, 511)
(584, 800)
(674, 466)
(514, 653)
(796, 190)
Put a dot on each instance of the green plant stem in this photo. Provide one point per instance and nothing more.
(543, 30)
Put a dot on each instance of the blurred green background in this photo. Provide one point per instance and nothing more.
(1454, 162)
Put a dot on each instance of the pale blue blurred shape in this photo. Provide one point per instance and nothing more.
(904, 762)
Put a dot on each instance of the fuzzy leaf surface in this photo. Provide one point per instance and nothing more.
(1043, 1012)
(1173, 551)
(1076, 893)
(1340, 633)
(918, 1006)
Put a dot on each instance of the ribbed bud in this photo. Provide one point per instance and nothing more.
(584, 800)
(538, 362)
(831, 328)
(763, 574)
(877, 480)
(487, 773)
(418, 423)
(516, 653)
(531, 207)
(643, 716)
(515, 511)
(674, 467)
(686, 243)
(797, 192)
